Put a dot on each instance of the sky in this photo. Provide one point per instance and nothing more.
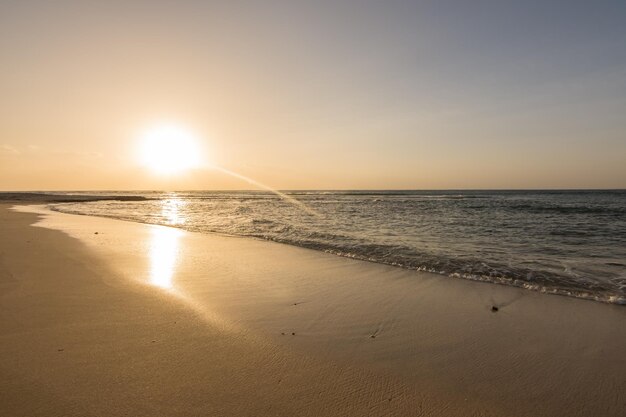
(315, 95)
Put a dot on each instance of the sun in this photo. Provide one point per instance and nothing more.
(169, 149)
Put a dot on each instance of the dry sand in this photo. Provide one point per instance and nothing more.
(147, 320)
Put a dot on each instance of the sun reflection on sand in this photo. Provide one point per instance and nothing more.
(163, 255)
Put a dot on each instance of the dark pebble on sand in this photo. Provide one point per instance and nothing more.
(293, 334)
(494, 308)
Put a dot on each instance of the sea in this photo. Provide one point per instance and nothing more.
(571, 243)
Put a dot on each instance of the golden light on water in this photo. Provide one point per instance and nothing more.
(169, 149)
(170, 211)
(164, 254)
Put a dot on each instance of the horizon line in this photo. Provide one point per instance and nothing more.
(303, 189)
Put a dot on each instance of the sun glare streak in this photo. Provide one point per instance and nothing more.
(163, 256)
(170, 149)
(270, 189)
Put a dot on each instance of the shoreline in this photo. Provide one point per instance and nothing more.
(504, 281)
(429, 343)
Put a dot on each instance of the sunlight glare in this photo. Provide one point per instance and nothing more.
(170, 211)
(169, 149)
(163, 255)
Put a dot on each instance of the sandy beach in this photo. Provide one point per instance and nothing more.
(312, 208)
(106, 317)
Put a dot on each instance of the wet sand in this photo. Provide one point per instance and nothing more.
(104, 317)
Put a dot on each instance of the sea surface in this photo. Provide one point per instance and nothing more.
(563, 242)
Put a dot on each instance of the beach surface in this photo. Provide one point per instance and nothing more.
(105, 317)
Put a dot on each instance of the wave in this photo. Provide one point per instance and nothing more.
(617, 211)
(475, 270)
(581, 259)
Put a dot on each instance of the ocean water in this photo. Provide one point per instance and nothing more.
(563, 242)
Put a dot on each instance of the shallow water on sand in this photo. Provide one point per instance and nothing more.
(564, 242)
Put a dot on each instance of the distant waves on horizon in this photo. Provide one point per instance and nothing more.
(562, 242)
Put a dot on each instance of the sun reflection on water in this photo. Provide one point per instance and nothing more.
(164, 255)
(170, 210)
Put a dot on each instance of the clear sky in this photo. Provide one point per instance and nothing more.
(317, 94)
